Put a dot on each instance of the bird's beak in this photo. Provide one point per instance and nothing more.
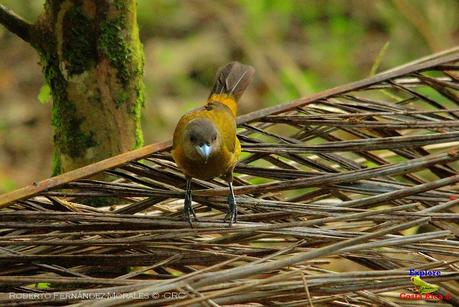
(204, 151)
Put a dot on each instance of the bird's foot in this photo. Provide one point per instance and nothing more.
(232, 213)
(189, 211)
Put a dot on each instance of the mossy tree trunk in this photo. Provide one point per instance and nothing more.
(92, 60)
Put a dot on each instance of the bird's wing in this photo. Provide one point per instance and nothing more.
(226, 123)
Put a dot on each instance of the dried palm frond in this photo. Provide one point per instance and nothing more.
(340, 195)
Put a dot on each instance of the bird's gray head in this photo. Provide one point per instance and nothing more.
(201, 139)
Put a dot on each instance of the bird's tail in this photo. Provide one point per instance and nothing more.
(232, 80)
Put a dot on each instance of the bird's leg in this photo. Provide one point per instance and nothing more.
(232, 213)
(188, 208)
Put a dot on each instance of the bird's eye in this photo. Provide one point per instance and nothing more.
(192, 139)
(214, 138)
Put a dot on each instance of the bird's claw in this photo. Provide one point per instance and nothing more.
(189, 211)
(232, 213)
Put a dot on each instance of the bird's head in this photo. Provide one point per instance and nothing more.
(201, 139)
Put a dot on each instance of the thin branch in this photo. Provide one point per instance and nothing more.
(15, 24)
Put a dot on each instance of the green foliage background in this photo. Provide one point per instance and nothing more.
(297, 47)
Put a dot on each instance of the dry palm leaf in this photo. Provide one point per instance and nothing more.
(340, 195)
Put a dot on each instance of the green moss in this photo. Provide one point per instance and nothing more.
(120, 4)
(56, 162)
(139, 103)
(114, 45)
(139, 89)
(69, 139)
(124, 51)
(74, 140)
(79, 44)
(121, 98)
(95, 99)
(117, 40)
(68, 136)
(139, 136)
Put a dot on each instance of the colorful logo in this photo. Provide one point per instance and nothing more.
(422, 273)
(426, 291)
(423, 287)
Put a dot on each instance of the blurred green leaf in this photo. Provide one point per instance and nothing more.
(42, 285)
(7, 185)
(44, 96)
(378, 60)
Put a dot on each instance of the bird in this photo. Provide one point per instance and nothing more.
(205, 144)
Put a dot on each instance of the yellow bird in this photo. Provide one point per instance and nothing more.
(205, 144)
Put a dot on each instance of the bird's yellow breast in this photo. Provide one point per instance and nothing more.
(218, 164)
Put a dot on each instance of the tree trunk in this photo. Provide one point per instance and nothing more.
(92, 60)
